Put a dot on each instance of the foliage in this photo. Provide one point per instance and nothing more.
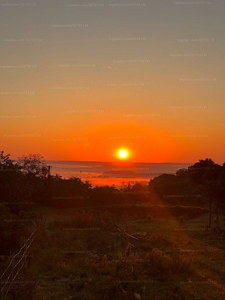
(33, 165)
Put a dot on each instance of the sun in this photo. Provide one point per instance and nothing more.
(122, 153)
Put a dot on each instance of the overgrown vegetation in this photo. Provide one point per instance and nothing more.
(81, 249)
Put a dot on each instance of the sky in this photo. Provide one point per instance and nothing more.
(80, 80)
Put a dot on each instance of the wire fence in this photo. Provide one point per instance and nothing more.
(16, 266)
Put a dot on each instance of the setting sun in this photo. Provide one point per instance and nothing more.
(123, 154)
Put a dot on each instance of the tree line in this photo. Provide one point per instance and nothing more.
(28, 180)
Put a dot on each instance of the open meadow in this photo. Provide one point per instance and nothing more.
(132, 252)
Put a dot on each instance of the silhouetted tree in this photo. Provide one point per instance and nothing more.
(13, 185)
(33, 165)
(207, 173)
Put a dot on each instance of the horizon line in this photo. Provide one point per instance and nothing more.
(98, 161)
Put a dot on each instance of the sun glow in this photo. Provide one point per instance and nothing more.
(123, 153)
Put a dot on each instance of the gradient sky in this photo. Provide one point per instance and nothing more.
(85, 81)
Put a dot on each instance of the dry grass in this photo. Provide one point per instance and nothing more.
(94, 261)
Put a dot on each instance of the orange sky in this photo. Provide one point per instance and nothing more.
(74, 93)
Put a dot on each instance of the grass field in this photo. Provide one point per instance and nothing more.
(86, 254)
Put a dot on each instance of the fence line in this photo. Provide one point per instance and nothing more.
(13, 264)
(122, 231)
